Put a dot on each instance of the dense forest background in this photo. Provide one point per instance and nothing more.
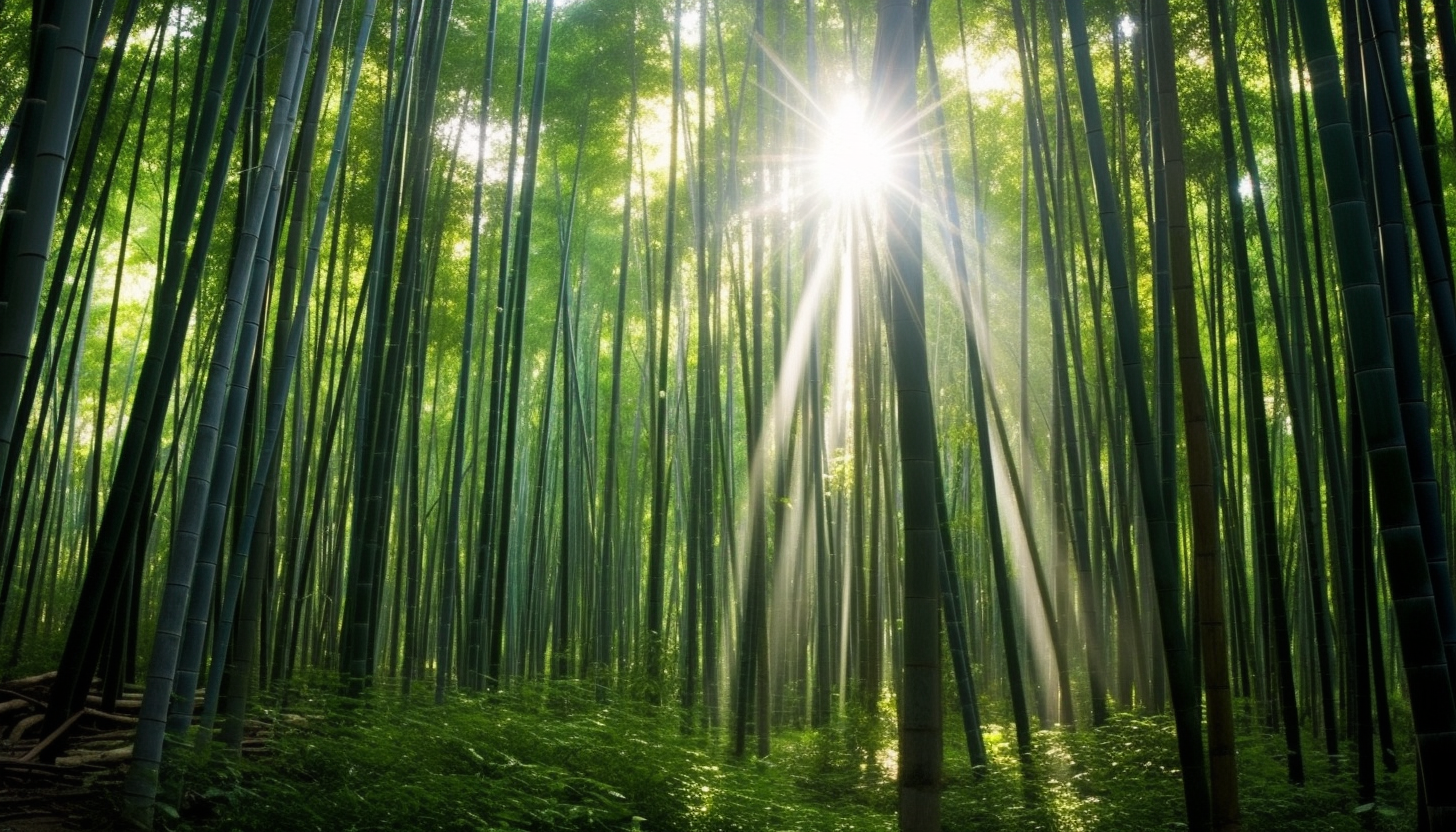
(976, 370)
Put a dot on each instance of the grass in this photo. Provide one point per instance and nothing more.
(552, 758)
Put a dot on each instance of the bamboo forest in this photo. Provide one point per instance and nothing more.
(698, 415)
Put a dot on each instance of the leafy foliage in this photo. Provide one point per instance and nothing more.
(529, 759)
(551, 757)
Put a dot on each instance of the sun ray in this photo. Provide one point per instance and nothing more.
(853, 161)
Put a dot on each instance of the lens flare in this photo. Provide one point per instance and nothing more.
(853, 160)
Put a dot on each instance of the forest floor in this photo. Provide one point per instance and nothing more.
(553, 758)
(71, 791)
(70, 778)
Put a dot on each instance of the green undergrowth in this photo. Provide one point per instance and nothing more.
(552, 758)
(1125, 775)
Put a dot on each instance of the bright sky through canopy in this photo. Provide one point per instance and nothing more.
(853, 157)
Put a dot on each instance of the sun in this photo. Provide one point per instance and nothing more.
(853, 160)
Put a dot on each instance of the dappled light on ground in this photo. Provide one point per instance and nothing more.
(552, 758)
